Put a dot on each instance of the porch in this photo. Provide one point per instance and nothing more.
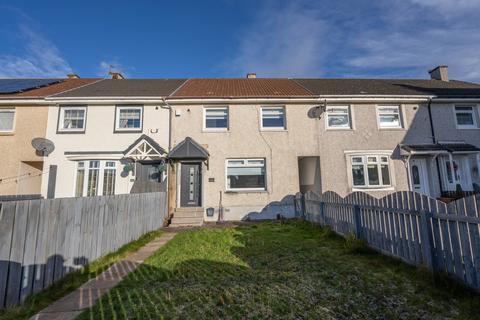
(443, 170)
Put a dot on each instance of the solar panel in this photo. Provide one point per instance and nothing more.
(20, 85)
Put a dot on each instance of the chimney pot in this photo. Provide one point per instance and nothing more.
(251, 75)
(116, 75)
(73, 76)
(439, 73)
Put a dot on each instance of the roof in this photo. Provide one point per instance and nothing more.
(237, 88)
(439, 148)
(126, 88)
(63, 85)
(390, 87)
(188, 149)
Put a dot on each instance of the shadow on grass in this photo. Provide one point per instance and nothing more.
(278, 270)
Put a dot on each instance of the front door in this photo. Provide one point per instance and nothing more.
(190, 185)
(419, 176)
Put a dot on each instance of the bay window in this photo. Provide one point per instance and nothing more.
(95, 178)
(245, 174)
(370, 171)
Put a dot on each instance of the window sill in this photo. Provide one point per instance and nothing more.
(468, 128)
(273, 130)
(245, 191)
(128, 131)
(215, 130)
(70, 132)
(391, 129)
(339, 129)
(7, 133)
(373, 189)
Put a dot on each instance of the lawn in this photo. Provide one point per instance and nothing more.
(279, 270)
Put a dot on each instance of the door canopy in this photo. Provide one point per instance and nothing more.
(188, 149)
(144, 148)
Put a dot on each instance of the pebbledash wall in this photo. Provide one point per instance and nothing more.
(30, 122)
(303, 137)
(98, 142)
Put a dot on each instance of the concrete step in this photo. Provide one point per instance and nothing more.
(188, 214)
(189, 209)
(187, 220)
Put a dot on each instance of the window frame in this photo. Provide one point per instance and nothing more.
(101, 173)
(61, 118)
(400, 117)
(14, 111)
(245, 160)
(207, 129)
(365, 162)
(475, 112)
(117, 128)
(349, 115)
(284, 128)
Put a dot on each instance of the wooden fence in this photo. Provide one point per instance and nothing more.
(43, 240)
(410, 226)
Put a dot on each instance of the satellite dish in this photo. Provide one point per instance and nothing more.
(316, 112)
(43, 146)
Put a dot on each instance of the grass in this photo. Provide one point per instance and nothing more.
(72, 281)
(288, 270)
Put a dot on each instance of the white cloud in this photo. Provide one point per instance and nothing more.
(39, 57)
(286, 41)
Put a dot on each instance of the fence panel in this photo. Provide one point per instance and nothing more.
(41, 241)
(410, 226)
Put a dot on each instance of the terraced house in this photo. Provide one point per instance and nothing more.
(23, 117)
(241, 148)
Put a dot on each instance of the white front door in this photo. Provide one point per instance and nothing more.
(461, 173)
(419, 176)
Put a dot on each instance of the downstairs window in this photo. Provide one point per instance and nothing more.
(95, 178)
(370, 171)
(246, 174)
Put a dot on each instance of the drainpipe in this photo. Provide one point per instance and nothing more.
(169, 108)
(434, 139)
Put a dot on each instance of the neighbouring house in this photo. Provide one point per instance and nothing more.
(111, 137)
(23, 117)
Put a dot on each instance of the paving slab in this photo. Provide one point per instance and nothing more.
(70, 306)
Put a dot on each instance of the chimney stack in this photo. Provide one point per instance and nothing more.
(439, 73)
(116, 75)
(251, 75)
(73, 76)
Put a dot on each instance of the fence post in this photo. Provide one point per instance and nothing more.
(427, 239)
(322, 213)
(357, 224)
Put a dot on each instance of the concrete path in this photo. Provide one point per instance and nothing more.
(85, 296)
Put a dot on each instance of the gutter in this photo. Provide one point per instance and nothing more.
(169, 108)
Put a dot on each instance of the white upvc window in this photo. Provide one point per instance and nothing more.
(245, 174)
(129, 118)
(7, 120)
(215, 118)
(466, 117)
(95, 178)
(273, 118)
(338, 117)
(72, 119)
(370, 171)
(389, 117)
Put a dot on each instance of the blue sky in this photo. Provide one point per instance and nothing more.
(227, 38)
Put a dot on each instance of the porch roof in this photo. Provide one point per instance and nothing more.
(438, 148)
(188, 149)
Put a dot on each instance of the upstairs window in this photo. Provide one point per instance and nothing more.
(129, 118)
(7, 120)
(338, 117)
(370, 171)
(273, 118)
(389, 117)
(246, 174)
(216, 118)
(72, 119)
(466, 117)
